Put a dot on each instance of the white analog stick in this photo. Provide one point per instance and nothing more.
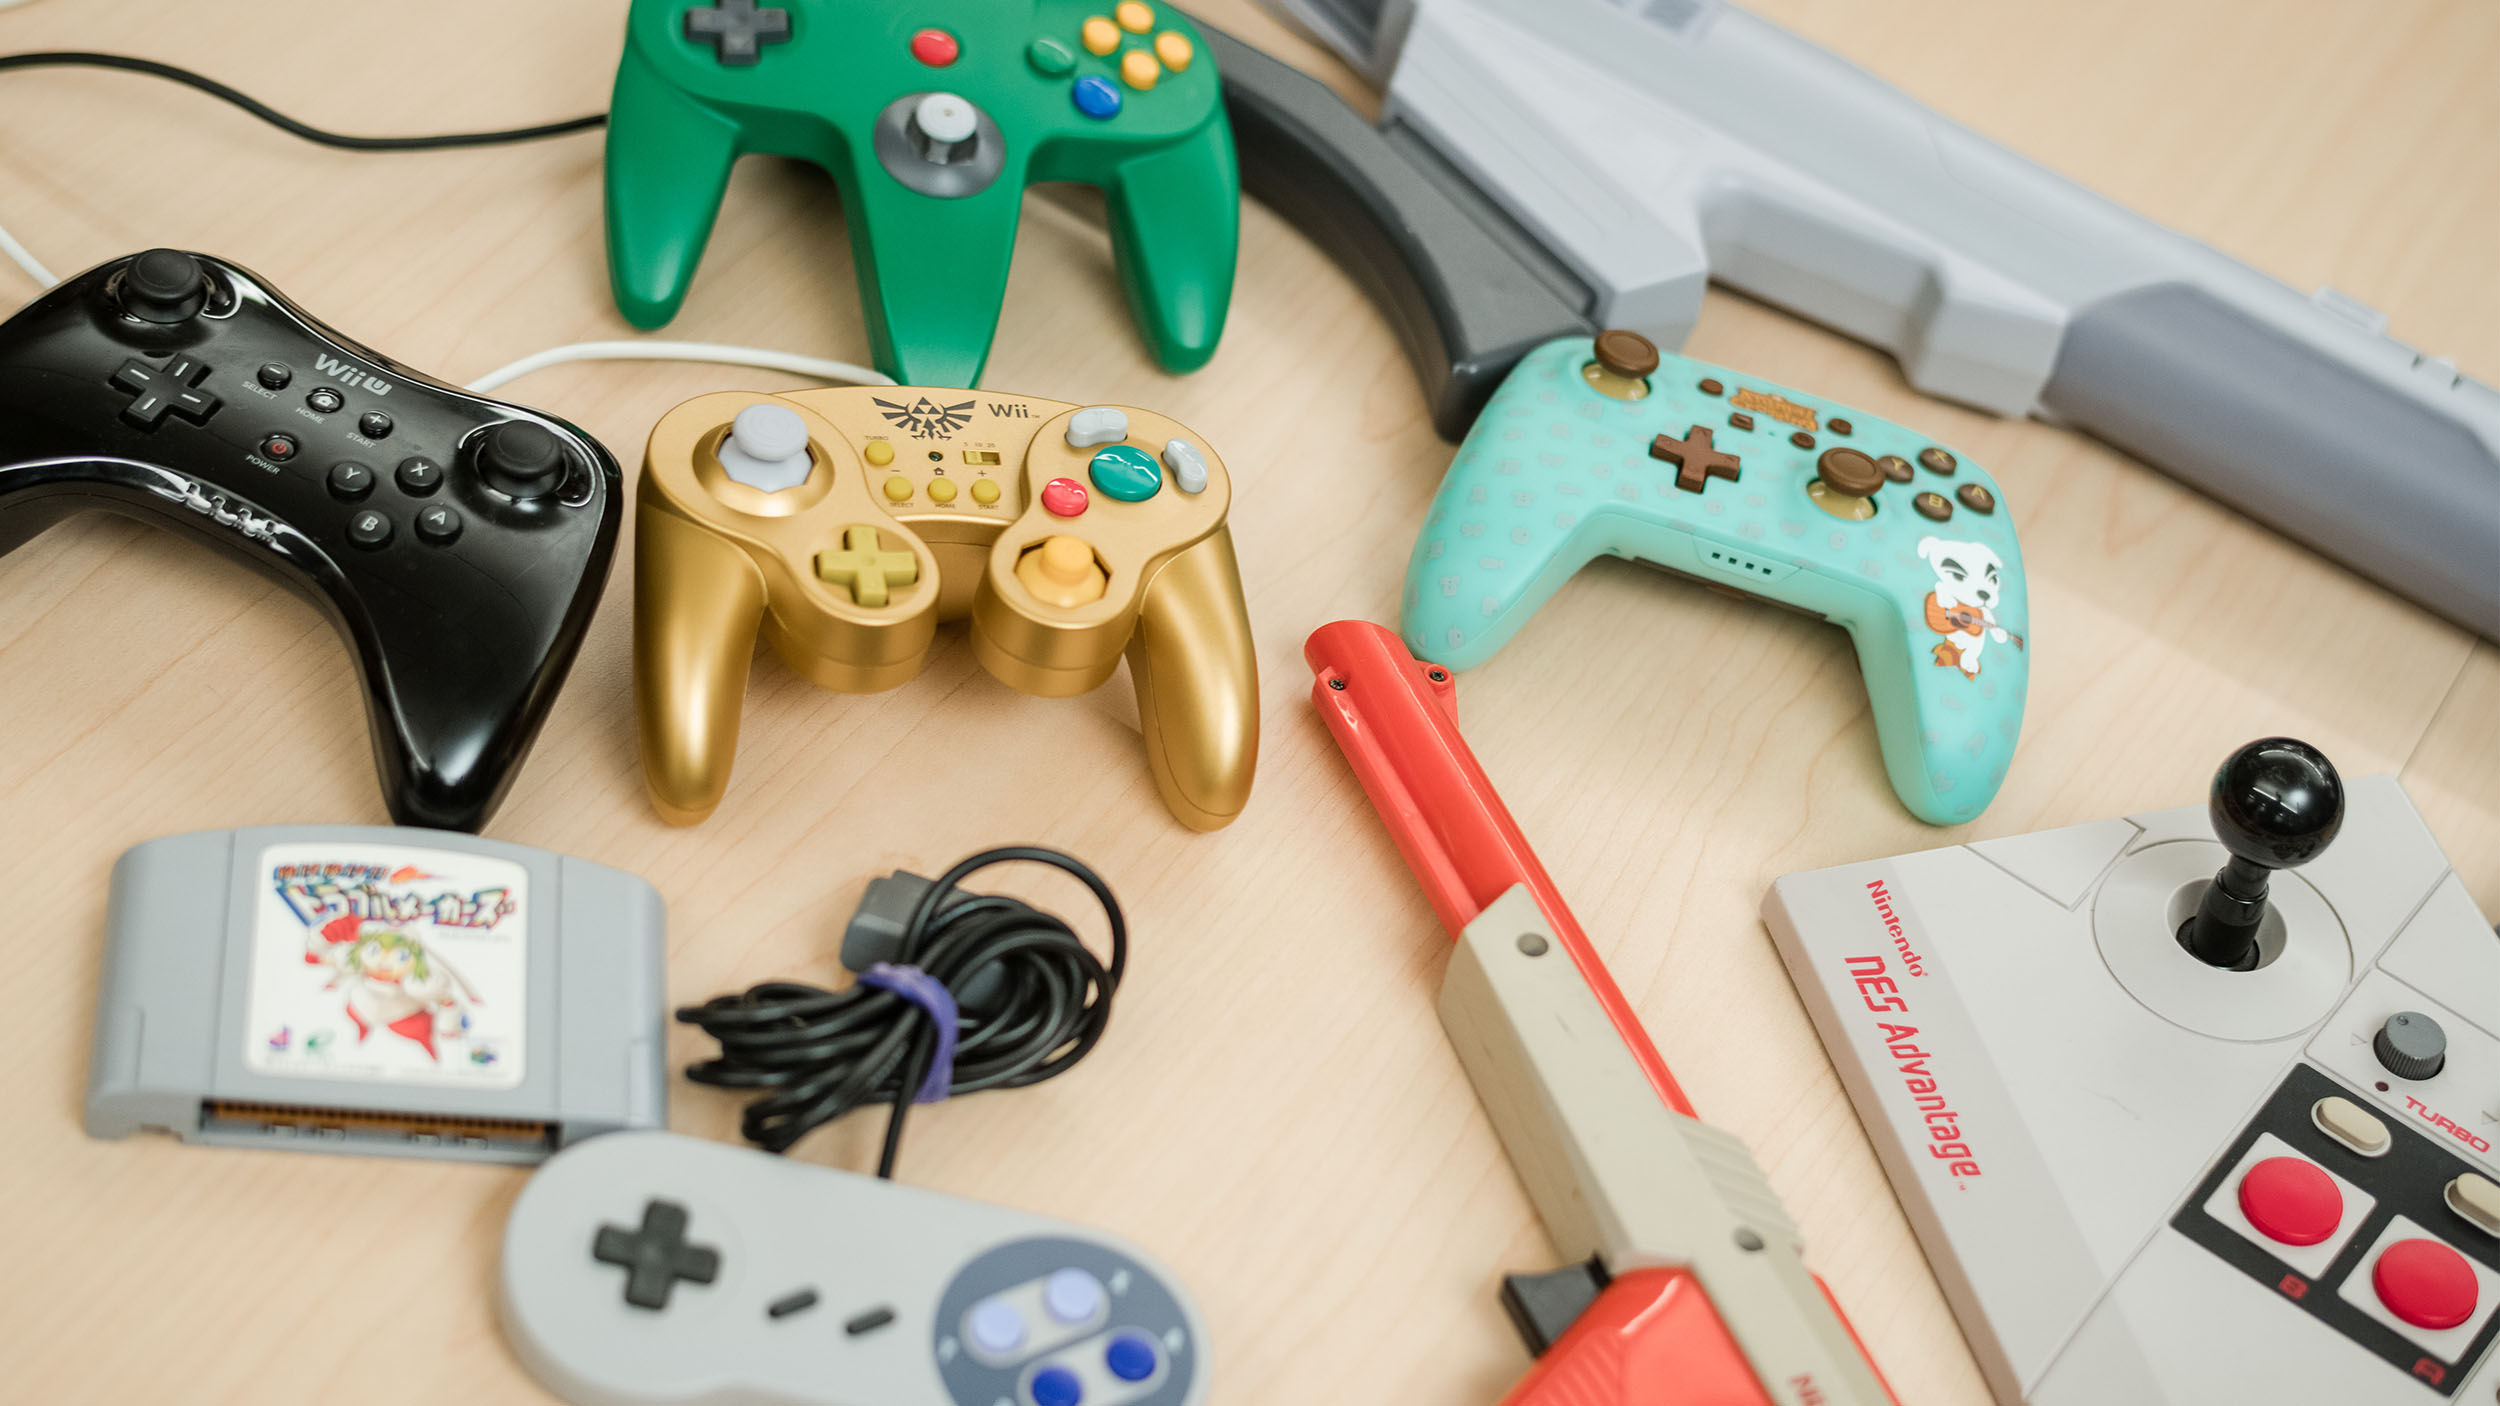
(767, 448)
(942, 128)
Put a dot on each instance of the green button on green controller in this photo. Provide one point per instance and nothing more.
(1127, 473)
(1050, 58)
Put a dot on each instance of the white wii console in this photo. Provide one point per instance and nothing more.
(2153, 1166)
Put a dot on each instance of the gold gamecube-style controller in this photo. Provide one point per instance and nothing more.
(846, 523)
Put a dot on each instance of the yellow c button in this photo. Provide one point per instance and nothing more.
(1175, 50)
(1139, 70)
(941, 490)
(880, 453)
(1101, 35)
(1061, 572)
(985, 491)
(1135, 16)
(898, 489)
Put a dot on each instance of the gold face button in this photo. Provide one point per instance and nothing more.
(1135, 16)
(1175, 50)
(1139, 70)
(898, 489)
(941, 490)
(879, 453)
(985, 491)
(1101, 35)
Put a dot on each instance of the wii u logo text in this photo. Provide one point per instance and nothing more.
(351, 374)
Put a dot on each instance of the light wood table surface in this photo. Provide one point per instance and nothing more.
(1275, 1111)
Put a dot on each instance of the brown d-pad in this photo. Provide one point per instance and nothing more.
(1696, 462)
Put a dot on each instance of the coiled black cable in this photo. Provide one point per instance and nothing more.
(819, 1054)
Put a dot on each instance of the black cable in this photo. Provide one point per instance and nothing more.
(822, 1053)
(76, 58)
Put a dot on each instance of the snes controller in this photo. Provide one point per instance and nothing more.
(932, 118)
(1746, 486)
(2180, 1121)
(458, 543)
(651, 1267)
(846, 523)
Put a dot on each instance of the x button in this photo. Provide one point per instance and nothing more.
(656, 1256)
(1696, 462)
(163, 390)
(738, 30)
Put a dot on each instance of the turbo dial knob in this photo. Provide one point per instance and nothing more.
(2411, 1046)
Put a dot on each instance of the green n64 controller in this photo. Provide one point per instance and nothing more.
(931, 116)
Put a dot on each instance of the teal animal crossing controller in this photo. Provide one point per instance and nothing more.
(932, 116)
(1602, 450)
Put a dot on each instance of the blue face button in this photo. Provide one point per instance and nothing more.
(1130, 1357)
(1127, 473)
(1096, 98)
(1056, 1386)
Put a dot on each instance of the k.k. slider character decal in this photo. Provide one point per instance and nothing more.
(1963, 607)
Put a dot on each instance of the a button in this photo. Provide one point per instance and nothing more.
(1740, 421)
(1057, 1386)
(1135, 16)
(1802, 440)
(1139, 70)
(2477, 1198)
(1933, 506)
(419, 476)
(159, 391)
(796, 1301)
(2425, 1283)
(1175, 50)
(280, 447)
(2411, 1046)
(898, 489)
(1710, 386)
(1064, 497)
(1895, 468)
(879, 453)
(373, 424)
(944, 127)
(350, 482)
(2291, 1201)
(1977, 498)
(995, 1327)
(1188, 466)
(1097, 424)
(1050, 58)
(1095, 97)
(1062, 572)
(275, 375)
(1840, 427)
(1936, 460)
(941, 490)
(439, 524)
(656, 1255)
(985, 492)
(866, 568)
(369, 529)
(2350, 1124)
(935, 47)
(766, 448)
(738, 31)
(1101, 36)
(324, 400)
(1850, 472)
(1130, 1356)
(1127, 473)
(1696, 462)
(1072, 1295)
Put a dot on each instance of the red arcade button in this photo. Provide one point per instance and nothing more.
(2291, 1201)
(2425, 1283)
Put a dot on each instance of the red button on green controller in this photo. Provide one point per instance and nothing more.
(935, 47)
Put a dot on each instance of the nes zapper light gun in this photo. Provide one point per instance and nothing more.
(1632, 150)
(1685, 1283)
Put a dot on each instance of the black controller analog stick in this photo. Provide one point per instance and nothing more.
(2275, 804)
(521, 459)
(164, 285)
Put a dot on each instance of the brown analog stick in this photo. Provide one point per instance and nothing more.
(1627, 354)
(1849, 472)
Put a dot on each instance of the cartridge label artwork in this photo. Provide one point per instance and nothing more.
(386, 964)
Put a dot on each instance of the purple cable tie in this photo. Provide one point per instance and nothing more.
(931, 996)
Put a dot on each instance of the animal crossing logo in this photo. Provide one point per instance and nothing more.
(926, 419)
(319, 893)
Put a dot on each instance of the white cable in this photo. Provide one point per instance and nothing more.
(17, 252)
(818, 367)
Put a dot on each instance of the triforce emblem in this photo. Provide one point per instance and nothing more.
(925, 418)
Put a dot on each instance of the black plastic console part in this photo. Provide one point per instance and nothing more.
(179, 389)
(1469, 291)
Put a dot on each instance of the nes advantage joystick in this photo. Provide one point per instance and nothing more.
(2275, 804)
(649, 1267)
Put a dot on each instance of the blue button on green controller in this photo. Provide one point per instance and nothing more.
(1127, 473)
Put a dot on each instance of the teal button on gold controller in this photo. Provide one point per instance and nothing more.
(1127, 473)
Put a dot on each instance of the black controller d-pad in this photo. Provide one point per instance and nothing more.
(737, 29)
(655, 1256)
(164, 390)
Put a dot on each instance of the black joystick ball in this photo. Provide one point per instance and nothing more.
(521, 459)
(2275, 804)
(164, 285)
